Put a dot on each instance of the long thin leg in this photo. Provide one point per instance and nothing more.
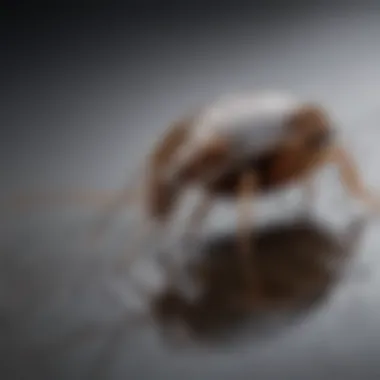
(112, 201)
(25, 200)
(247, 188)
(350, 177)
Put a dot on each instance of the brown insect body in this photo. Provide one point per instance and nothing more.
(274, 169)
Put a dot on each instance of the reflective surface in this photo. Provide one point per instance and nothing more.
(87, 116)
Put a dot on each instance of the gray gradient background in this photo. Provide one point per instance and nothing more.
(85, 98)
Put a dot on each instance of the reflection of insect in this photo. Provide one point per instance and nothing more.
(240, 147)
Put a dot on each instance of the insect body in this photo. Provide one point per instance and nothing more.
(222, 137)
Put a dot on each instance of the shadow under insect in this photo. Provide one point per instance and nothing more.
(295, 266)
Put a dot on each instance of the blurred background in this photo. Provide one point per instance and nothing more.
(86, 91)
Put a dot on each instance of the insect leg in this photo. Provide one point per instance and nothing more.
(349, 175)
(24, 201)
(247, 187)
